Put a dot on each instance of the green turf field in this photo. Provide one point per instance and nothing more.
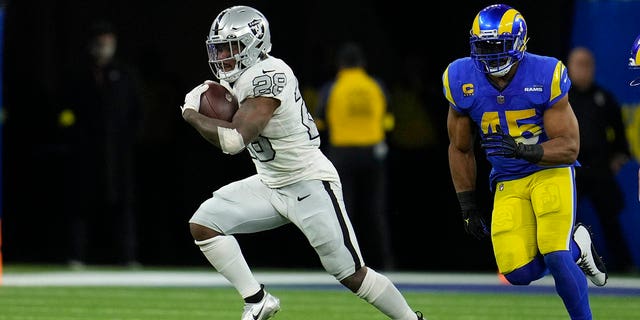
(40, 298)
(158, 303)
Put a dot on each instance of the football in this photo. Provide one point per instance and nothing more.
(218, 102)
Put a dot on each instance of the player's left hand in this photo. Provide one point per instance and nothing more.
(502, 144)
(192, 99)
(499, 143)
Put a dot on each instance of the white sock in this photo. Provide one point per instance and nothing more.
(223, 252)
(379, 291)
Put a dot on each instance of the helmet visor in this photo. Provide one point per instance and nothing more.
(493, 46)
(492, 53)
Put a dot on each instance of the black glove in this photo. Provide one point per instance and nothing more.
(501, 144)
(473, 221)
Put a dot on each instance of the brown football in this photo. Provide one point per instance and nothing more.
(218, 102)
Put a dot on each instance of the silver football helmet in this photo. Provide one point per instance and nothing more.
(244, 32)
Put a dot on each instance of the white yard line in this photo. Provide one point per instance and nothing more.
(203, 278)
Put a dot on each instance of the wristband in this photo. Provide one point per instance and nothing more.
(530, 152)
(467, 199)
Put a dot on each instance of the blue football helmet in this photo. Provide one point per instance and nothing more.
(498, 39)
(634, 59)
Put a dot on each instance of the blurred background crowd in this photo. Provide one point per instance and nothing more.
(99, 167)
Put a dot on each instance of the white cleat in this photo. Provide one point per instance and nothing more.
(265, 309)
(589, 261)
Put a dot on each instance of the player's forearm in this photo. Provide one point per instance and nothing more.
(560, 150)
(463, 169)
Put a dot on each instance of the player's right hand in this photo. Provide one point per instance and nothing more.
(192, 99)
(471, 217)
(474, 223)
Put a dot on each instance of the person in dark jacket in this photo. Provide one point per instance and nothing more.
(99, 127)
(604, 150)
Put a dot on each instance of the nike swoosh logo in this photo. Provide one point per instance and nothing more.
(302, 198)
(267, 71)
(256, 316)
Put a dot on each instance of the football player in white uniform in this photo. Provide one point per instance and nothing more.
(295, 182)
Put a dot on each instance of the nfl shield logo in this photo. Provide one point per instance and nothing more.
(500, 99)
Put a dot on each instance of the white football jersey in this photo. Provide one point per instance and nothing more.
(287, 150)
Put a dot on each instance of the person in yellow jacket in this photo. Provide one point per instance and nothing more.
(353, 112)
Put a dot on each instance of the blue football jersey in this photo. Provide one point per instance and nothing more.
(538, 83)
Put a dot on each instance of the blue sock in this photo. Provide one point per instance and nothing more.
(575, 250)
(571, 284)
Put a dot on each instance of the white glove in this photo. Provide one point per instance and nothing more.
(192, 99)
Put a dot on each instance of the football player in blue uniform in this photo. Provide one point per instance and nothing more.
(517, 102)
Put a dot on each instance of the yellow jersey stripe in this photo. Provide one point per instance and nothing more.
(445, 81)
(555, 82)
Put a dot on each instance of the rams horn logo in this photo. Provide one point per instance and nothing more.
(257, 28)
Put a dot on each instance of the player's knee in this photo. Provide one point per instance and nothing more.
(528, 273)
(354, 281)
(201, 233)
(518, 279)
(339, 263)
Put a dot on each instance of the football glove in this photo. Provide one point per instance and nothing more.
(473, 222)
(192, 99)
(501, 144)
